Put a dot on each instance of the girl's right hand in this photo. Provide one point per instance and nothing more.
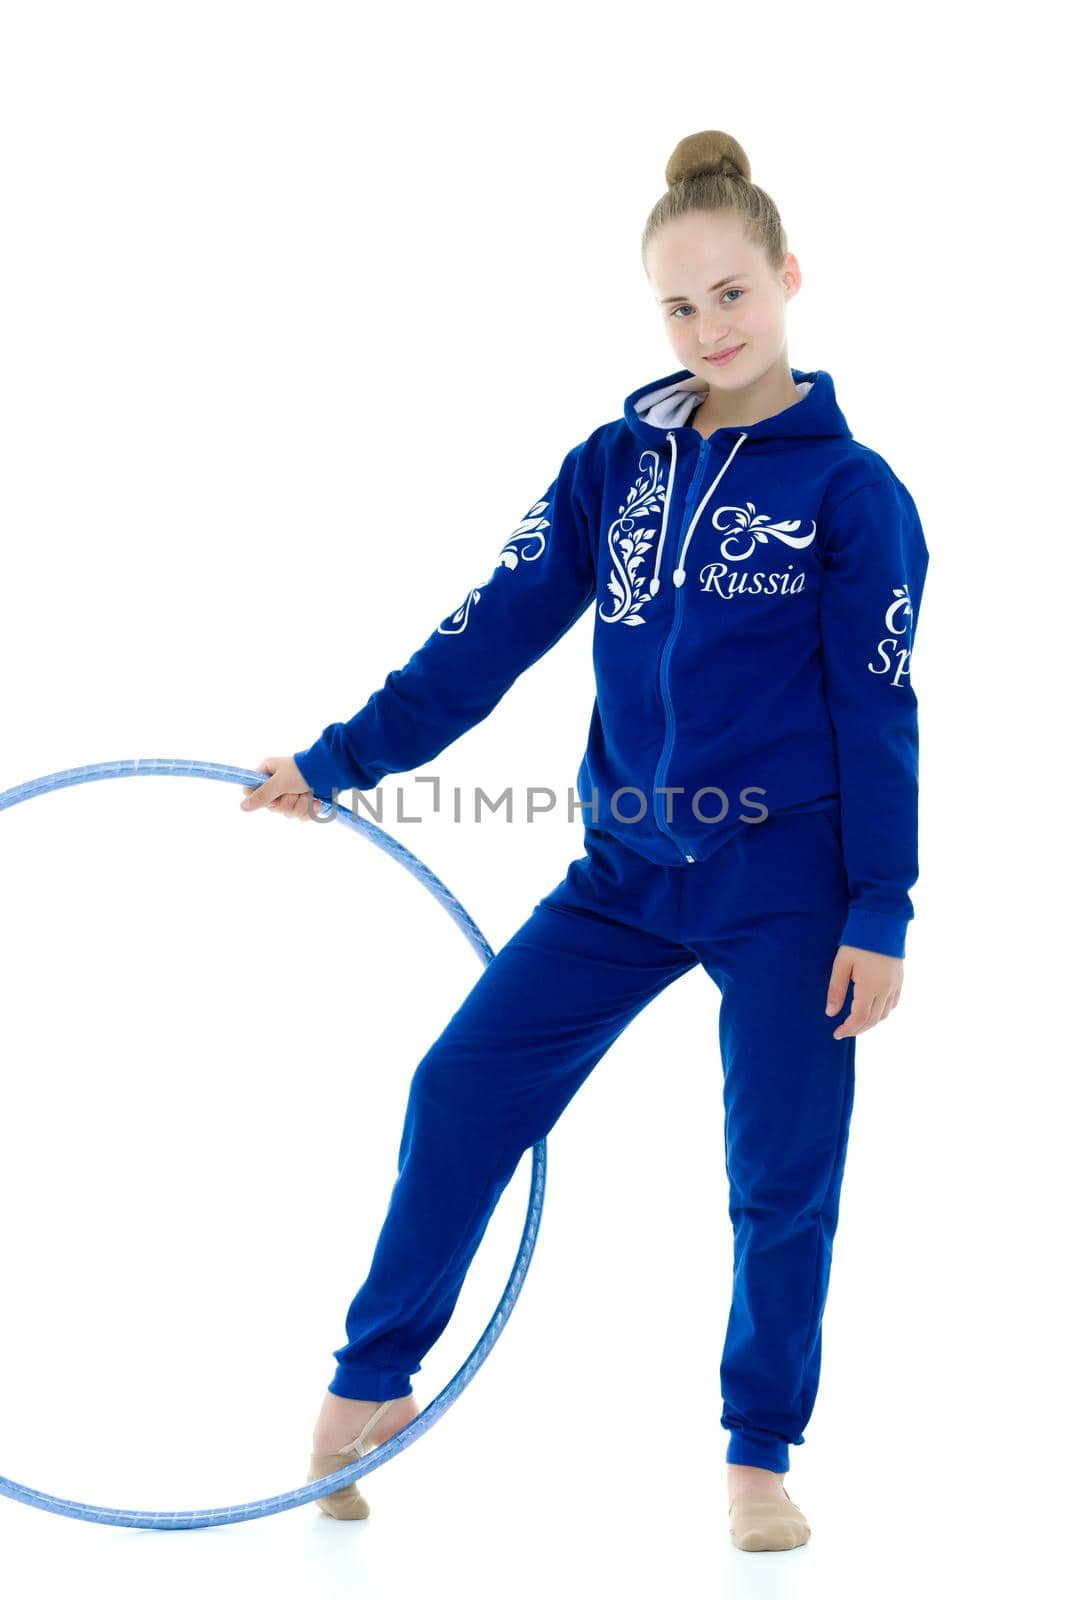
(284, 791)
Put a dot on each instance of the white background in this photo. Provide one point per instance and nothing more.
(300, 309)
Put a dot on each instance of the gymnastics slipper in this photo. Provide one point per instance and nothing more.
(346, 1503)
(760, 1521)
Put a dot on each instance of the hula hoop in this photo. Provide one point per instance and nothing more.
(219, 1515)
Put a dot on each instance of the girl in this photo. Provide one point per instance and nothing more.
(750, 799)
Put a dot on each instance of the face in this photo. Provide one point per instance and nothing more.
(746, 306)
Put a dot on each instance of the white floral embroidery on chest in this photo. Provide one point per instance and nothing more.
(527, 543)
(758, 529)
(627, 544)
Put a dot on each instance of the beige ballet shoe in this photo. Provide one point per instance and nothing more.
(761, 1521)
(346, 1503)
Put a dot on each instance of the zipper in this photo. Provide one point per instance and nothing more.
(659, 801)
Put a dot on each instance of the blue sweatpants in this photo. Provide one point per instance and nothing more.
(763, 916)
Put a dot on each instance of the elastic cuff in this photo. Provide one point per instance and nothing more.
(747, 1450)
(875, 930)
(367, 1383)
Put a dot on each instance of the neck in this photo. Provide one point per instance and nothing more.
(768, 395)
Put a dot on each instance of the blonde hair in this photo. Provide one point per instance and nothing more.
(709, 171)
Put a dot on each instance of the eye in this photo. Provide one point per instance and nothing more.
(725, 293)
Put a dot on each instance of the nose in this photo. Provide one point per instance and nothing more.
(712, 330)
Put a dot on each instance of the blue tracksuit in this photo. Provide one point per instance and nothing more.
(750, 794)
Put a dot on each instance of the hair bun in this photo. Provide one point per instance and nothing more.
(710, 151)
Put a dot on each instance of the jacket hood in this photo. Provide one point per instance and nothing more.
(657, 409)
(666, 403)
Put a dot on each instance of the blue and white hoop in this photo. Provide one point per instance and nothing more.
(217, 1515)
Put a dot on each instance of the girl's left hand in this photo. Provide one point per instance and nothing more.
(876, 980)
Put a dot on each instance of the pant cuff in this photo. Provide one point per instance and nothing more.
(746, 1450)
(369, 1383)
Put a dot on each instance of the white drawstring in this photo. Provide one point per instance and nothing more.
(679, 571)
(653, 587)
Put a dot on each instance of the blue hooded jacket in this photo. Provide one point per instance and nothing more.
(757, 594)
